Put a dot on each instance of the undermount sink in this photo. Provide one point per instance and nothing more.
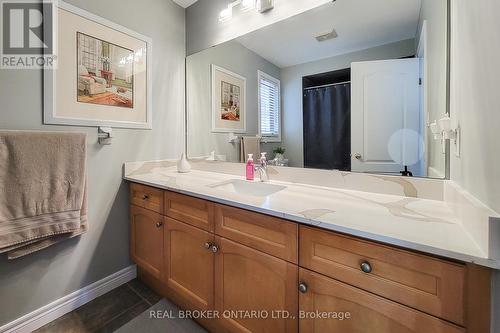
(256, 189)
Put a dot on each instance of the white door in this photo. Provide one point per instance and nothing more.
(385, 116)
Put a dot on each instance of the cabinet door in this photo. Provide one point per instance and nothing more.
(189, 264)
(248, 280)
(146, 239)
(326, 305)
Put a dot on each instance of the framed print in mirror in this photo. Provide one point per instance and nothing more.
(228, 101)
(103, 76)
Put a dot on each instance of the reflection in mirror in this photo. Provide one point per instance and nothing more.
(353, 85)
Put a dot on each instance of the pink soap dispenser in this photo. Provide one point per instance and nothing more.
(250, 167)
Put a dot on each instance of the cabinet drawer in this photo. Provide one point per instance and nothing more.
(268, 234)
(356, 311)
(146, 197)
(196, 212)
(428, 284)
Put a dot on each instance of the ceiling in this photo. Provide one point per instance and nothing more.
(185, 3)
(360, 24)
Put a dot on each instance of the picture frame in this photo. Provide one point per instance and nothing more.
(228, 101)
(103, 75)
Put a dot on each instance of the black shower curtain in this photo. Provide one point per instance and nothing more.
(327, 127)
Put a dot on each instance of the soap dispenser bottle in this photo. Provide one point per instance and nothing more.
(263, 158)
(183, 165)
(250, 167)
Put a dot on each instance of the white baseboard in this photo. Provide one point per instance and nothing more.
(68, 303)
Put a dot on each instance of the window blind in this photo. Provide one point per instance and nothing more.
(269, 104)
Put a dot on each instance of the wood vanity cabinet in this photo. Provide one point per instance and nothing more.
(207, 256)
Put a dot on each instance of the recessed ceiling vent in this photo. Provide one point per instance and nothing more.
(326, 36)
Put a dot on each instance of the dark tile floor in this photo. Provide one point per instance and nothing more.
(107, 312)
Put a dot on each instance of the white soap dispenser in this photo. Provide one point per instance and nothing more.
(263, 158)
(183, 165)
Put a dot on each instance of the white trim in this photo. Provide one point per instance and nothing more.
(267, 139)
(49, 91)
(215, 107)
(422, 54)
(68, 303)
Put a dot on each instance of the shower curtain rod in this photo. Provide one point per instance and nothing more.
(328, 85)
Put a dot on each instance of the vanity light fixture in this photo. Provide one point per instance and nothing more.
(246, 5)
(450, 133)
(436, 132)
(445, 127)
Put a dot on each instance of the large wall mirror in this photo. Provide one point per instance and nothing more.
(352, 85)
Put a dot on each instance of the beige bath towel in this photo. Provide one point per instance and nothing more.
(250, 145)
(42, 189)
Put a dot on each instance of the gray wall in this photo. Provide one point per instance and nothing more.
(38, 279)
(435, 14)
(475, 101)
(291, 89)
(204, 30)
(240, 60)
(475, 105)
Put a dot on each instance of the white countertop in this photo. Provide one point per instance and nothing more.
(420, 224)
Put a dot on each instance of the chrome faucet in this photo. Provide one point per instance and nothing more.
(262, 169)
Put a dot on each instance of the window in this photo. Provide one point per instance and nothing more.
(269, 108)
(88, 47)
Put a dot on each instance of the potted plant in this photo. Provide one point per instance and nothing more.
(278, 153)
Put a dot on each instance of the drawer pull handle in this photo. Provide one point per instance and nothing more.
(366, 267)
(303, 287)
(207, 245)
(214, 248)
(145, 197)
(159, 224)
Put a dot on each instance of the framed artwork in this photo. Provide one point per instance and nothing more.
(228, 101)
(103, 74)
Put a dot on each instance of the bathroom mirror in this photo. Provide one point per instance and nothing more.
(352, 85)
